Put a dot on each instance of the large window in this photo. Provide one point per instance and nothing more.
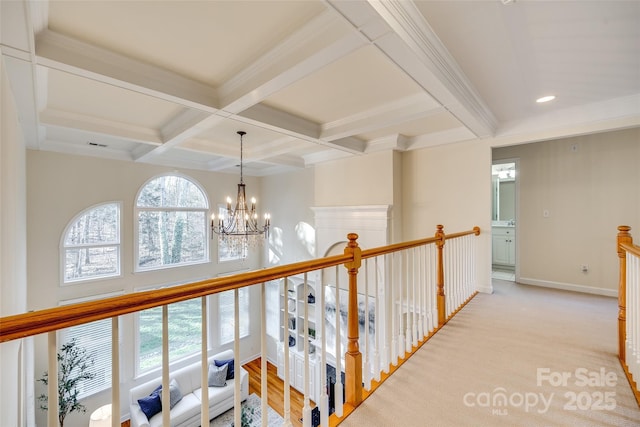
(226, 303)
(172, 228)
(185, 333)
(91, 244)
(95, 338)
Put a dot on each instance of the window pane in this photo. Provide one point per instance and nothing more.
(227, 316)
(98, 226)
(92, 244)
(171, 237)
(95, 338)
(185, 333)
(171, 191)
(85, 263)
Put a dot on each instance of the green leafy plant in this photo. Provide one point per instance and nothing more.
(74, 366)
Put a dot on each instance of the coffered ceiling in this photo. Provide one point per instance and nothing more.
(170, 82)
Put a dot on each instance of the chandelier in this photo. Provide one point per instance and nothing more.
(238, 228)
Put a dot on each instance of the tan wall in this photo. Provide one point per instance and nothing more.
(450, 185)
(13, 272)
(289, 197)
(359, 180)
(590, 185)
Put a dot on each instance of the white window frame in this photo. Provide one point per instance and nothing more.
(136, 225)
(105, 350)
(64, 247)
(230, 295)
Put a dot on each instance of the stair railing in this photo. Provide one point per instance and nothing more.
(412, 286)
(629, 308)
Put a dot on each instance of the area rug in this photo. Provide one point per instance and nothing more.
(252, 415)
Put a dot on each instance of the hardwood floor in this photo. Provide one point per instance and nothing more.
(275, 390)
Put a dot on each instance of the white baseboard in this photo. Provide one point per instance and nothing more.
(569, 287)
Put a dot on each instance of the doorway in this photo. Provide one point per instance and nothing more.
(504, 174)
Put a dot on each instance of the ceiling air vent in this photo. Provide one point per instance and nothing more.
(95, 144)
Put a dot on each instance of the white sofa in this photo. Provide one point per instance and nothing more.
(186, 413)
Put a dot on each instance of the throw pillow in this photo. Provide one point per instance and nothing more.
(175, 395)
(217, 376)
(230, 364)
(151, 404)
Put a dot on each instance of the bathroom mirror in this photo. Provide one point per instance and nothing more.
(504, 192)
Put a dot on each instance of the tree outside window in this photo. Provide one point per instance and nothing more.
(172, 228)
(91, 244)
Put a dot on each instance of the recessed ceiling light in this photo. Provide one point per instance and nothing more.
(545, 99)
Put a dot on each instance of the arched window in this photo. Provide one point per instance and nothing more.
(171, 226)
(91, 244)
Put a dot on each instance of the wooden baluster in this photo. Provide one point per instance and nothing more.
(353, 357)
(52, 384)
(287, 361)
(376, 333)
(338, 388)
(306, 408)
(204, 363)
(115, 372)
(237, 408)
(166, 420)
(263, 354)
(440, 276)
(623, 237)
(324, 397)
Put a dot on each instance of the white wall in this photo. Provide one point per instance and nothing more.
(61, 186)
(590, 185)
(13, 273)
(450, 185)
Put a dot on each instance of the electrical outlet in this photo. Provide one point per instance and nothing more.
(545, 213)
(584, 268)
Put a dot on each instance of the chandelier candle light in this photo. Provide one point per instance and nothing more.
(238, 228)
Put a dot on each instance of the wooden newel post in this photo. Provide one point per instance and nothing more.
(623, 237)
(353, 357)
(440, 278)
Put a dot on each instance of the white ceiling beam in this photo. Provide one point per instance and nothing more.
(403, 110)
(82, 59)
(188, 124)
(65, 119)
(288, 124)
(413, 46)
(320, 42)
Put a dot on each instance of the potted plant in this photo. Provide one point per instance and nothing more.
(74, 366)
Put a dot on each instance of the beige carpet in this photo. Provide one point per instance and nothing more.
(499, 346)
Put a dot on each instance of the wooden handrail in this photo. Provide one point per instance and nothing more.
(51, 319)
(625, 245)
(631, 248)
